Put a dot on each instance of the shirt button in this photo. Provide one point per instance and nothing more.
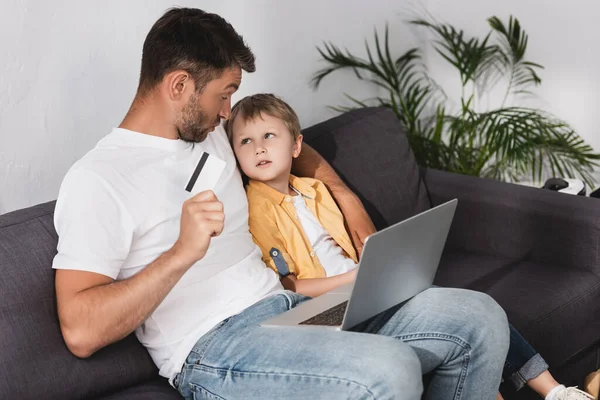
(288, 199)
(274, 254)
(312, 254)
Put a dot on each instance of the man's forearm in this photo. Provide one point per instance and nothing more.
(104, 314)
(359, 224)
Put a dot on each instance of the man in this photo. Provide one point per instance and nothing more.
(139, 253)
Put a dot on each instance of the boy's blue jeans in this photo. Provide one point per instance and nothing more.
(459, 337)
(523, 362)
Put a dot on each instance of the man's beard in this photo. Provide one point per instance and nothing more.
(193, 125)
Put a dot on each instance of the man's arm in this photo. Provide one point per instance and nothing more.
(95, 311)
(359, 224)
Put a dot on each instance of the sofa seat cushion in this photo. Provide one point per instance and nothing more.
(157, 389)
(557, 309)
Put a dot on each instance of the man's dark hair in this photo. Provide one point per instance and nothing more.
(193, 40)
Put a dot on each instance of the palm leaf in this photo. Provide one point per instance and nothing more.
(513, 45)
(466, 55)
(507, 143)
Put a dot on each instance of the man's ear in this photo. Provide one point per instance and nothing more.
(297, 147)
(177, 83)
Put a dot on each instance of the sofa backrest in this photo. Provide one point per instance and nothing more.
(34, 360)
(370, 151)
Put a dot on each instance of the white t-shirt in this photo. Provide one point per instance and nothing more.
(119, 208)
(330, 255)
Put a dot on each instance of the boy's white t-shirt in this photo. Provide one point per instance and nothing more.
(330, 255)
(119, 208)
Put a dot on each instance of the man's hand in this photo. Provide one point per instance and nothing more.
(202, 218)
(358, 222)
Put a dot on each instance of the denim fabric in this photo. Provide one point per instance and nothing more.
(523, 362)
(459, 338)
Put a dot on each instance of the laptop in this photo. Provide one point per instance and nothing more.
(397, 263)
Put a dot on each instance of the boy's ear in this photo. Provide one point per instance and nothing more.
(297, 147)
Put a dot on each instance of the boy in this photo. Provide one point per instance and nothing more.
(295, 221)
(300, 230)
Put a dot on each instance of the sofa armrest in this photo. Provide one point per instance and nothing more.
(519, 222)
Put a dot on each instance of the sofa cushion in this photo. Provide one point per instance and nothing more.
(470, 271)
(369, 150)
(556, 308)
(519, 222)
(34, 360)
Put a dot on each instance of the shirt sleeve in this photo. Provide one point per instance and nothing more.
(95, 230)
(267, 236)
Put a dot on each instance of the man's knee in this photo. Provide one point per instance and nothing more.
(490, 320)
(394, 371)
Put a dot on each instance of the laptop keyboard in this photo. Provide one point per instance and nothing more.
(332, 317)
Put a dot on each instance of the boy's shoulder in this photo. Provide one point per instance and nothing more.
(260, 195)
(258, 200)
(304, 184)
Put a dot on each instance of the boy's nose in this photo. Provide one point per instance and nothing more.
(260, 150)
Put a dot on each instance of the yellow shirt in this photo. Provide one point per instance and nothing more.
(278, 232)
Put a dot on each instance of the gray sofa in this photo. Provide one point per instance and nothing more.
(534, 251)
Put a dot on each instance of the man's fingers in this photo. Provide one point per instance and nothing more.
(212, 216)
(359, 251)
(205, 206)
(213, 228)
(356, 241)
(207, 195)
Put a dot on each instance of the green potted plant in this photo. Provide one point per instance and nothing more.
(507, 142)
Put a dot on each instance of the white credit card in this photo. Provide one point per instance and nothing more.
(206, 174)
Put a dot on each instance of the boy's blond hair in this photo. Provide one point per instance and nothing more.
(250, 107)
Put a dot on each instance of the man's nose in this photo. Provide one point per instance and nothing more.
(225, 111)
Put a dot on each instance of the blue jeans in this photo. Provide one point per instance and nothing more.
(523, 362)
(459, 338)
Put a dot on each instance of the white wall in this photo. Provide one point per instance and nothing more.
(69, 69)
(564, 37)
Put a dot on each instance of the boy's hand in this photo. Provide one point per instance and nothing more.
(202, 218)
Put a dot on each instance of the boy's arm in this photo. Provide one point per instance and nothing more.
(310, 164)
(266, 235)
(317, 286)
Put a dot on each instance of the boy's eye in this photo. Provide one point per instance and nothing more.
(224, 98)
(269, 135)
(245, 141)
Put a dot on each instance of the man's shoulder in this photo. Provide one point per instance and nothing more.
(100, 170)
(93, 166)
